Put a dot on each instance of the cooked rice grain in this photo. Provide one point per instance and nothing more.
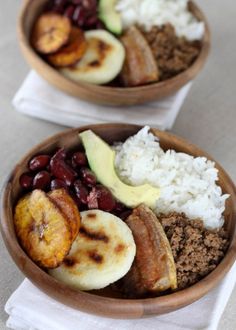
(187, 184)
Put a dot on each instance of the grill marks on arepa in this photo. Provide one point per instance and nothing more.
(102, 253)
(94, 236)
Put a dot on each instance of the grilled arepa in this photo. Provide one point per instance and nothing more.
(102, 253)
(43, 231)
(68, 208)
(153, 269)
(102, 61)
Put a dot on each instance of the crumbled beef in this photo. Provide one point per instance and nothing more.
(196, 250)
(173, 54)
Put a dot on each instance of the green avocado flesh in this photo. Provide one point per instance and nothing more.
(109, 16)
(101, 159)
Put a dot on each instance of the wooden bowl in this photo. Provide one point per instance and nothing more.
(104, 94)
(103, 302)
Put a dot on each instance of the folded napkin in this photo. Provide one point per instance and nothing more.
(30, 309)
(39, 99)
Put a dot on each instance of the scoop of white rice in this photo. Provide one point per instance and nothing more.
(150, 13)
(187, 184)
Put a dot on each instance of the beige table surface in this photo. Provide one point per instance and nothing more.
(208, 117)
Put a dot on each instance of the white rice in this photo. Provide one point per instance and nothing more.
(187, 184)
(150, 13)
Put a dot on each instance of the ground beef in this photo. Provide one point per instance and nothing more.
(173, 54)
(196, 250)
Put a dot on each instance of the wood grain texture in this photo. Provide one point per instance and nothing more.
(105, 302)
(104, 94)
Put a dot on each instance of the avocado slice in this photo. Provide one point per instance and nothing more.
(101, 159)
(109, 16)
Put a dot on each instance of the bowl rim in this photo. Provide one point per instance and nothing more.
(86, 301)
(188, 73)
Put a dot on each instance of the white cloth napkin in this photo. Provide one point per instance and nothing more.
(39, 99)
(30, 309)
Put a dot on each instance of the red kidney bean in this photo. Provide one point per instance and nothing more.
(58, 184)
(26, 180)
(39, 162)
(81, 191)
(76, 2)
(79, 15)
(60, 154)
(88, 177)
(41, 180)
(60, 2)
(100, 25)
(68, 162)
(93, 199)
(58, 9)
(59, 5)
(89, 4)
(62, 171)
(69, 11)
(106, 201)
(79, 159)
(91, 21)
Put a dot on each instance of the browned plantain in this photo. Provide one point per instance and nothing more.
(68, 208)
(23, 219)
(43, 231)
(72, 52)
(51, 31)
(140, 66)
(153, 269)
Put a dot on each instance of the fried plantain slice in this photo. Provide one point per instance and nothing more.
(72, 52)
(42, 229)
(51, 31)
(68, 208)
(153, 269)
(23, 219)
(140, 66)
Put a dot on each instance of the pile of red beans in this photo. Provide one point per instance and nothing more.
(71, 172)
(82, 13)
